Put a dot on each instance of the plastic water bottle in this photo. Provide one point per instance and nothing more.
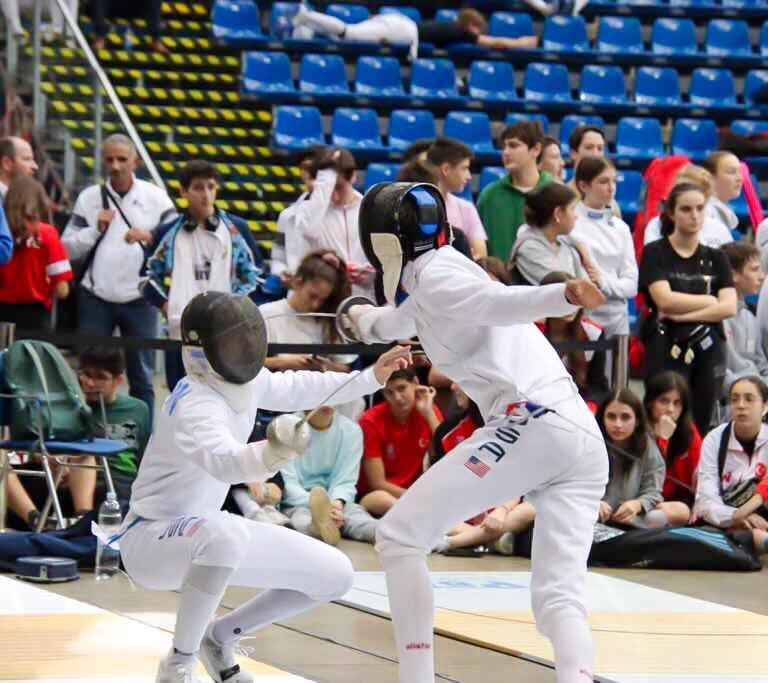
(108, 558)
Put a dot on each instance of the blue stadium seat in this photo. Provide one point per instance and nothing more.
(740, 206)
(639, 138)
(407, 125)
(349, 14)
(620, 35)
(379, 173)
(712, 88)
(727, 38)
(695, 138)
(267, 72)
(511, 24)
(490, 174)
(572, 121)
(565, 33)
(748, 126)
(628, 186)
(355, 129)
(433, 78)
(446, 14)
(755, 80)
(602, 85)
(323, 75)
(298, 127)
(235, 20)
(546, 83)
(280, 19)
(410, 12)
(472, 128)
(764, 39)
(492, 81)
(673, 36)
(514, 117)
(656, 85)
(378, 76)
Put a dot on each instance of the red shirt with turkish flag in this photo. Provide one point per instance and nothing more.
(400, 446)
(683, 469)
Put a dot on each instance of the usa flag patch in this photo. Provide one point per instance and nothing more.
(477, 466)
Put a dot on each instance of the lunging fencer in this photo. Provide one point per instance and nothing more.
(175, 536)
(539, 440)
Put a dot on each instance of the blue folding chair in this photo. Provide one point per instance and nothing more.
(727, 38)
(694, 138)
(235, 20)
(447, 14)
(494, 81)
(755, 80)
(563, 33)
(620, 35)
(378, 76)
(267, 73)
(511, 24)
(349, 14)
(355, 129)
(515, 116)
(298, 127)
(433, 78)
(490, 174)
(410, 12)
(657, 86)
(546, 83)
(638, 137)
(472, 128)
(572, 121)
(408, 125)
(749, 126)
(764, 38)
(628, 187)
(602, 85)
(323, 75)
(379, 173)
(712, 88)
(280, 16)
(673, 36)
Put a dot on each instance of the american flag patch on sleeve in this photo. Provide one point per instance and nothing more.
(477, 466)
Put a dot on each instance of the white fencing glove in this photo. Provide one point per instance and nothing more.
(363, 319)
(286, 440)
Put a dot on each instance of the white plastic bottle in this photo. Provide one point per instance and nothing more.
(108, 558)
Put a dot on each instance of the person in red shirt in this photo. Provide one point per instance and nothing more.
(39, 268)
(668, 405)
(396, 436)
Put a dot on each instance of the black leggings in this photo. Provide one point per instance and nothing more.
(705, 374)
(101, 10)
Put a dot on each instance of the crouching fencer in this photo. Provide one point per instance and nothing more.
(539, 440)
(176, 537)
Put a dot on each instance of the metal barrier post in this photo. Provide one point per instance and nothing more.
(12, 51)
(621, 361)
(7, 333)
(98, 118)
(38, 100)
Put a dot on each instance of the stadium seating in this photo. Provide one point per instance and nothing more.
(673, 36)
(628, 185)
(756, 79)
(378, 76)
(492, 81)
(514, 117)
(472, 128)
(712, 88)
(565, 33)
(490, 174)
(349, 14)
(355, 129)
(446, 14)
(280, 19)
(433, 78)
(695, 138)
(572, 121)
(410, 12)
(511, 24)
(379, 173)
(657, 86)
(546, 83)
(602, 85)
(638, 137)
(323, 75)
(267, 72)
(727, 37)
(407, 125)
(620, 35)
(235, 20)
(298, 127)
(748, 126)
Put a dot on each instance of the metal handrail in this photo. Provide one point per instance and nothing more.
(101, 81)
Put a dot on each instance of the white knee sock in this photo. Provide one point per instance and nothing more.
(574, 651)
(248, 506)
(260, 611)
(412, 604)
(11, 13)
(320, 23)
(200, 596)
(653, 519)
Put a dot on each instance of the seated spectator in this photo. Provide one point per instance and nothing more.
(417, 150)
(714, 232)
(39, 269)
(689, 290)
(102, 372)
(452, 159)
(259, 500)
(636, 471)
(202, 251)
(320, 487)
(725, 168)
(396, 436)
(550, 214)
(667, 404)
(588, 142)
(149, 10)
(16, 159)
(397, 29)
(501, 204)
(551, 159)
(731, 491)
(744, 354)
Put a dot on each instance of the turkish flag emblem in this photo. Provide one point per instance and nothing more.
(760, 470)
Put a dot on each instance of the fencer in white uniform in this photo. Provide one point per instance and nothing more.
(480, 334)
(176, 537)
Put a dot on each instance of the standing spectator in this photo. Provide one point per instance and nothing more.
(452, 159)
(551, 159)
(39, 269)
(501, 204)
(396, 437)
(588, 142)
(149, 10)
(10, 9)
(733, 495)
(106, 230)
(744, 354)
(202, 251)
(16, 159)
(417, 150)
(320, 487)
(689, 289)
(6, 238)
(725, 168)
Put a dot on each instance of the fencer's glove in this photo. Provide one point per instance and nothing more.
(362, 323)
(286, 440)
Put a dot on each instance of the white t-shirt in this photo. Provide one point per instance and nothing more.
(714, 233)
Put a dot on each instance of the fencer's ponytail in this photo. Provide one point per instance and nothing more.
(326, 265)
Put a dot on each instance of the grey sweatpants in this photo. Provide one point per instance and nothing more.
(359, 525)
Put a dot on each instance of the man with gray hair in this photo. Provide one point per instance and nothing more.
(16, 158)
(106, 231)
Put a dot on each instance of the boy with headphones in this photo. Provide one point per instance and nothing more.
(201, 251)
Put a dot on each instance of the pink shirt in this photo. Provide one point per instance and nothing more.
(463, 215)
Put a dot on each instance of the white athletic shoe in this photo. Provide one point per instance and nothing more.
(219, 660)
(176, 672)
(320, 509)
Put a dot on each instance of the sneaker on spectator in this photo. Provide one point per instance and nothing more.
(175, 672)
(219, 660)
(505, 544)
(275, 516)
(320, 509)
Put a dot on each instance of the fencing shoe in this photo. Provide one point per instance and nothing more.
(219, 660)
(174, 671)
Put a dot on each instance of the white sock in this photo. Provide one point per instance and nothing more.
(653, 519)
(412, 604)
(260, 611)
(200, 596)
(320, 23)
(248, 506)
(574, 650)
